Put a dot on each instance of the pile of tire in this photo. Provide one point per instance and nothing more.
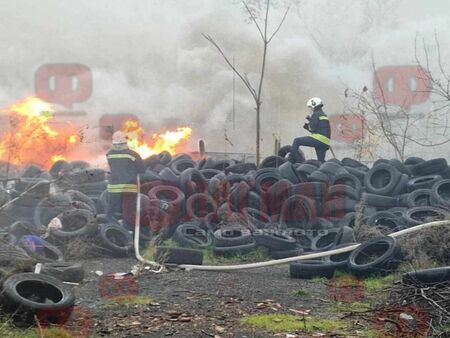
(288, 207)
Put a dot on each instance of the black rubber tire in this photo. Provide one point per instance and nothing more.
(401, 186)
(314, 190)
(40, 186)
(431, 167)
(293, 205)
(340, 260)
(341, 190)
(381, 179)
(280, 254)
(387, 258)
(378, 201)
(288, 172)
(275, 240)
(51, 254)
(308, 269)
(169, 177)
(339, 207)
(256, 219)
(64, 271)
(272, 162)
(79, 196)
(440, 193)
(171, 255)
(32, 171)
(222, 165)
(387, 220)
(319, 176)
(358, 173)
(419, 215)
(209, 173)
(332, 169)
(304, 170)
(50, 207)
(423, 182)
(348, 220)
(180, 165)
(413, 160)
(397, 164)
(83, 221)
(59, 168)
(47, 293)
(350, 162)
(240, 168)
(164, 157)
(284, 151)
(192, 235)
(420, 198)
(326, 240)
(119, 245)
(265, 179)
(427, 277)
(192, 181)
(446, 173)
(198, 206)
(232, 236)
(345, 235)
(347, 179)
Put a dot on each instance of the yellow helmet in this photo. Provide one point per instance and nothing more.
(119, 137)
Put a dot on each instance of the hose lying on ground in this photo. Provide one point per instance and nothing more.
(307, 256)
(137, 223)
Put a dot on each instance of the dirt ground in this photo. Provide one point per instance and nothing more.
(197, 303)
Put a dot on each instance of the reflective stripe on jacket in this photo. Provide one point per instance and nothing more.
(125, 165)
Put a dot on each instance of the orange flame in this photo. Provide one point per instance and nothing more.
(30, 138)
(168, 141)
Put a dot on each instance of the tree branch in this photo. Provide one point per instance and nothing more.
(279, 26)
(244, 79)
(254, 20)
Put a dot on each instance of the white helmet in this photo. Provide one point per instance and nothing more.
(314, 102)
(119, 137)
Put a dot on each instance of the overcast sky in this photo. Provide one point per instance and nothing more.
(149, 58)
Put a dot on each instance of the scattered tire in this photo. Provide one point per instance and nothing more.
(428, 277)
(297, 212)
(33, 293)
(379, 255)
(423, 182)
(115, 239)
(378, 201)
(170, 255)
(308, 269)
(420, 198)
(440, 193)
(420, 215)
(275, 240)
(198, 206)
(192, 235)
(387, 220)
(75, 223)
(381, 179)
(430, 167)
(231, 236)
(280, 254)
(64, 271)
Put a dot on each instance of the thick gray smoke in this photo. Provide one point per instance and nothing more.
(149, 58)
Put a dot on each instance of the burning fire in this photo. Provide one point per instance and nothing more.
(168, 141)
(30, 138)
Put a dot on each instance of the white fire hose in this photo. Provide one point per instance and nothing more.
(261, 264)
(159, 268)
(307, 256)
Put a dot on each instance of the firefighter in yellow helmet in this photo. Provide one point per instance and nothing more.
(125, 166)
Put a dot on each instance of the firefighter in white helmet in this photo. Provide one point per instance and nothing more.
(318, 125)
(125, 166)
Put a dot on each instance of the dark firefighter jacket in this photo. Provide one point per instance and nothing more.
(319, 126)
(125, 165)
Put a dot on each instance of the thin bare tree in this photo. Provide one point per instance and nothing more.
(255, 91)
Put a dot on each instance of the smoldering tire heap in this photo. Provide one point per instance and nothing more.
(229, 206)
